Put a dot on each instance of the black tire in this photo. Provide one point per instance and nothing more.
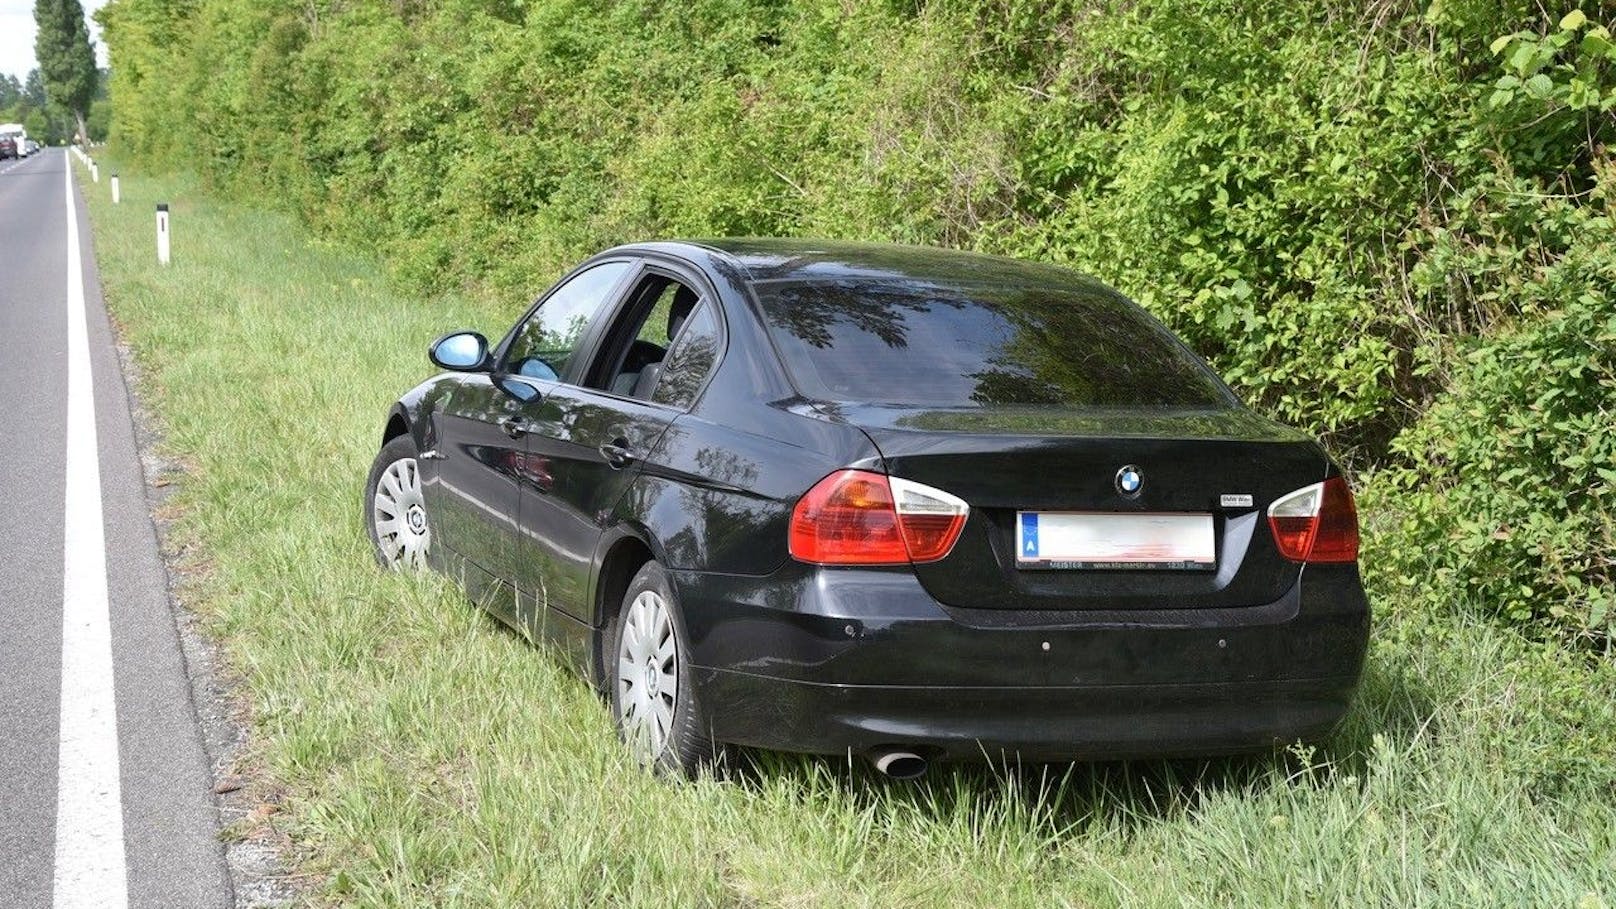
(396, 449)
(688, 750)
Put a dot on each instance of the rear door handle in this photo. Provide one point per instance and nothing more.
(513, 427)
(616, 453)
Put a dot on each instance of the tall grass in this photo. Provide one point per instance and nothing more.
(431, 758)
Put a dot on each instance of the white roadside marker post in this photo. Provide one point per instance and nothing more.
(95, 172)
(162, 233)
(114, 189)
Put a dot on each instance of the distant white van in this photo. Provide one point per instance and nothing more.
(18, 136)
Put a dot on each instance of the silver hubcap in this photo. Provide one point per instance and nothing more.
(399, 513)
(647, 676)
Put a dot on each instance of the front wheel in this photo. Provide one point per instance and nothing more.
(395, 509)
(653, 695)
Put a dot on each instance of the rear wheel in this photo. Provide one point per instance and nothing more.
(653, 697)
(395, 512)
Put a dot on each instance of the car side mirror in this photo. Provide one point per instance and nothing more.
(462, 351)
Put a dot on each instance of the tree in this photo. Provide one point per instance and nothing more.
(33, 89)
(38, 125)
(100, 120)
(10, 91)
(66, 57)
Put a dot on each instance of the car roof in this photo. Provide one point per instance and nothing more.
(789, 259)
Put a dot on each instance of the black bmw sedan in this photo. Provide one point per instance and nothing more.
(902, 503)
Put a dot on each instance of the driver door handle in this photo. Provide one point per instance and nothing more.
(513, 427)
(616, 453)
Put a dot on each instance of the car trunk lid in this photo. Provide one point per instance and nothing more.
(1225, 463)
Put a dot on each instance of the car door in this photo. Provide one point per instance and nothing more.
(475, 503)
(591, 436)
(482, 453)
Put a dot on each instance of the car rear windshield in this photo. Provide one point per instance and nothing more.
(908, 342)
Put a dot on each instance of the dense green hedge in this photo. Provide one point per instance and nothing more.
(1378, 219)
(1509, 479)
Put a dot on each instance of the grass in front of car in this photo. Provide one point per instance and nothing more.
(431, 758)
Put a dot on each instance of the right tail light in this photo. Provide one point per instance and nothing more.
(1317, 523)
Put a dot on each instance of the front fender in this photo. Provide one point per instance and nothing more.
(413, 412)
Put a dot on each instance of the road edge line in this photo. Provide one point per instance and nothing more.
(90, 866)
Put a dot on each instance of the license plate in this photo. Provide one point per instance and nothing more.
(1104, 540)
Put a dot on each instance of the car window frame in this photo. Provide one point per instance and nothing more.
(613, 300)
(675, 269)
(632, 296)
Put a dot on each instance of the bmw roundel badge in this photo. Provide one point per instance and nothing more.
(1130, 480)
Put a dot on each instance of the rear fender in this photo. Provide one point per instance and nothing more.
(710, 497)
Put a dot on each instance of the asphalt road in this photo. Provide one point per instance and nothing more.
(106, 793)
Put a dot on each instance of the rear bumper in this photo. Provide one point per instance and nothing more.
(831, 661)
(1033, 723)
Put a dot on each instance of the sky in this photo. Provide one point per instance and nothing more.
(17, 35)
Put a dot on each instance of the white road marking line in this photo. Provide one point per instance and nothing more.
(90, 870)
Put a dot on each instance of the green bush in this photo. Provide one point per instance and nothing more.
(1363, 214)
(1507, 485)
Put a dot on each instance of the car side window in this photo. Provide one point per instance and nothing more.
(690, 358)
(545, 343)
(635, 356)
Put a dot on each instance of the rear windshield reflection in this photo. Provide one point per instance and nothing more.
(909, 342)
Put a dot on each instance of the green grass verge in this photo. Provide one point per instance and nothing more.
(431, 758)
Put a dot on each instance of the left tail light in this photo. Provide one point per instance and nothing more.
(1317, 523)
(859, 517)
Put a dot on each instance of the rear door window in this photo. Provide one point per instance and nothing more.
(690, 358)
(661, 345)
(908, 342)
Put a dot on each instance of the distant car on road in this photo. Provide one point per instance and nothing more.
(18, 137)
(901, 503)
(29, 147)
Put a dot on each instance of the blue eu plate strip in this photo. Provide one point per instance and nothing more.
(1029, 535)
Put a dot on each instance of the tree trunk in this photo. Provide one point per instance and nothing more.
(84, 132)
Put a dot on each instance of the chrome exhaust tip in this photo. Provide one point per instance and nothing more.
(900, 765)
